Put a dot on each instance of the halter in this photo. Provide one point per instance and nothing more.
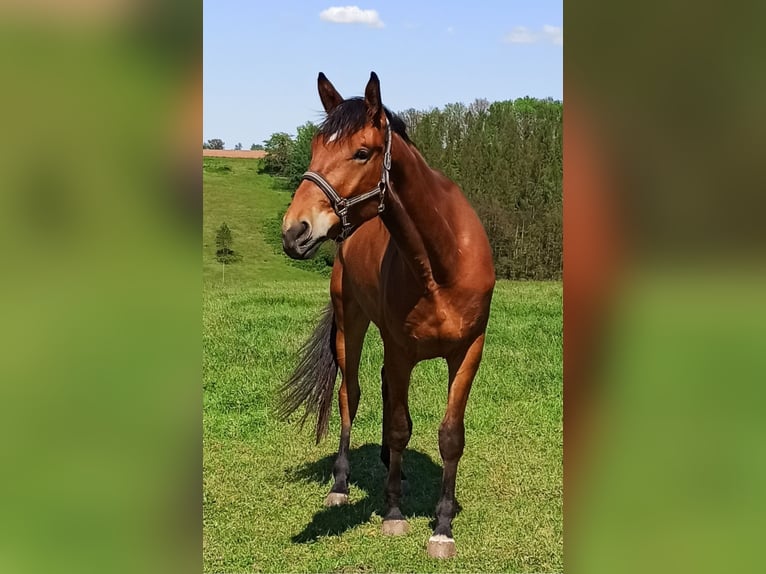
(341, 205)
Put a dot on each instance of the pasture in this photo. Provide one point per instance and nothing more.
(264, 480)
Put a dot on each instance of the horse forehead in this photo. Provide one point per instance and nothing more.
(334, 145)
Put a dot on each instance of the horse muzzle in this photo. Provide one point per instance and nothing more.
(298, 242)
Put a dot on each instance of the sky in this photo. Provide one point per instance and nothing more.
(261, 59)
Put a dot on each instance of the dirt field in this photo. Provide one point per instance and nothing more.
(249, 154)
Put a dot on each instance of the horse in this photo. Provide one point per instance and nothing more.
(414, 259)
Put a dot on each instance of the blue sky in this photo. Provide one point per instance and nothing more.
(261, 59)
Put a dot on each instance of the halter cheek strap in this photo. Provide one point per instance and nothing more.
(341, 205)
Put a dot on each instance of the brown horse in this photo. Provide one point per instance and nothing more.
(414, 259)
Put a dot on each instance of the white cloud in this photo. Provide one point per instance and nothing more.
(351, 15)
(555, 34)
(523, 35)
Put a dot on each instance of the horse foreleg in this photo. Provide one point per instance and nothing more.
(397, 429)
(462, 370)
(352, 326)
(385, 452)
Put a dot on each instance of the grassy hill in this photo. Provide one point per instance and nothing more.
(265, 480)
(252, 205)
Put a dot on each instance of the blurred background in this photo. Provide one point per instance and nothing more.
(664, 286)
(100, 227)
(665, 314)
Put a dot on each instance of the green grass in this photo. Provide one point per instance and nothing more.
(265, 480)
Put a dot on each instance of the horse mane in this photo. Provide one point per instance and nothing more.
(350, 116)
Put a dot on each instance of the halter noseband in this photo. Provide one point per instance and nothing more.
(341, 205)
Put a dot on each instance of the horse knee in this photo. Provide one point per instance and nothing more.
(399, 433)
(398, 439)
(451, 440)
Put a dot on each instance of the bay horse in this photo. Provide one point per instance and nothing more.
(414, 259)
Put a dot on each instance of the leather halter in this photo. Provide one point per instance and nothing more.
(341, 205)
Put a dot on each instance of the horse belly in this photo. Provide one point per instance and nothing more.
(433, 331)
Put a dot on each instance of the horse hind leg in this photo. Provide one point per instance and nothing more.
(352, 326)
(462, 370)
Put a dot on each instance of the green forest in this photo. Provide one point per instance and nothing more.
(507, 158)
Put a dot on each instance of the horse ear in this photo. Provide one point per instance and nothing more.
(372, 98)
(327, 93)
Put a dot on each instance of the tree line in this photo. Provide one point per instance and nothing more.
(217, 143)
(507, 158)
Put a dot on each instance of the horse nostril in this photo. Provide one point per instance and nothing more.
(304, 232)
(296, 234)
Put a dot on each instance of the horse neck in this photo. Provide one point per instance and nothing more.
(415, 216)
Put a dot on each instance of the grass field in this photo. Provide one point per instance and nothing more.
(265, 480)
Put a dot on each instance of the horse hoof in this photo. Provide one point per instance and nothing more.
(394, 527)
(440, 546)
(336, 499)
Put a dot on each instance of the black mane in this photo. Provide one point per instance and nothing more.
(350, 116)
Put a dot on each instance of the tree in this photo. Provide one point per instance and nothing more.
(238, 147)
(215, 143)
(224, 253)
(507, 158)
(300, 155)
(279, 147)
(255, 147)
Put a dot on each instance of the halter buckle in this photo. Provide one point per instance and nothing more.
(382, 192)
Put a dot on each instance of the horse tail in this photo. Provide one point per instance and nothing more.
(311, 383)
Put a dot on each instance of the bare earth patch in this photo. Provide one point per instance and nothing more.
(249, 154)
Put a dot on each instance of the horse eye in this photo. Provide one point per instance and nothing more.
(361, 154)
